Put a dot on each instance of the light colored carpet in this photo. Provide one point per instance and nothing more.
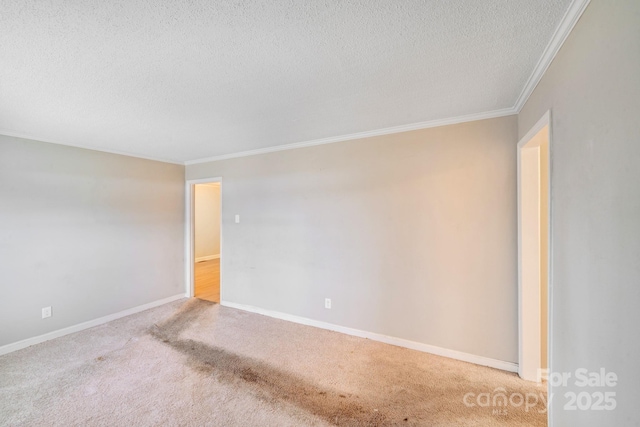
(194, 363)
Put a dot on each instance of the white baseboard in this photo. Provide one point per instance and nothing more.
(400, 342)
(207, 258)
(85, 325)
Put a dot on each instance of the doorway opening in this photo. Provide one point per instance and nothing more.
(534, 287)
(204, 213)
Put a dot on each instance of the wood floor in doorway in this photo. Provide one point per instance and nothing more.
(207, 280)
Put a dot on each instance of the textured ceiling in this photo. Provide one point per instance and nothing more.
(182, 80)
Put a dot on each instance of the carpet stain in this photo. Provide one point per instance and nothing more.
(248, 375)
(268, 382)
(406, 399)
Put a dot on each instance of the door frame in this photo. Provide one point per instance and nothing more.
(545, 120)
(189, 249)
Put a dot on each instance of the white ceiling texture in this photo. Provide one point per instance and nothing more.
(191, 79)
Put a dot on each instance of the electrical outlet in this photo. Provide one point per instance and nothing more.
(327, 303)
(46, 312)
(237, 219)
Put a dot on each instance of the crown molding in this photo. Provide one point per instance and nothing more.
(85, 147)
(359, 135)
(569, 20)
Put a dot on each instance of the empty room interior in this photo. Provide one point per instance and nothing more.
(336, 213)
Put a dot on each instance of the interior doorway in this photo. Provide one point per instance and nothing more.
(206, 250)
(534, 251)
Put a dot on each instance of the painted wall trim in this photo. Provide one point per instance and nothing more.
(207, 258)
(359, 135)
(85, 325)
(569, 20)
(102, 150)
(189, 228)
(400, 342)
(545, 120)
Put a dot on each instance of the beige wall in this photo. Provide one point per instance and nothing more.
(207, 220)
(593, 91)
(412, 235)
(87, 233)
